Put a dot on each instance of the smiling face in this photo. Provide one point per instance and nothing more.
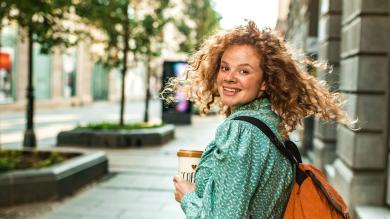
(240, 78)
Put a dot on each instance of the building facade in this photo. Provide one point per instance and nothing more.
(352, 35)
(61, 78)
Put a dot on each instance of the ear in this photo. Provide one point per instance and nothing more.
(263, 88)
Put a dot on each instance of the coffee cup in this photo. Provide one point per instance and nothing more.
(188, 162)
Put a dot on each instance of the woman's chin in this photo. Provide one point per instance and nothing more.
(230, 103)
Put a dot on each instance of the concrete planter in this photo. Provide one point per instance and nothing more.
(54, 182)
(119, 138)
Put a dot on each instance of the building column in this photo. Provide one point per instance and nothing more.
(84, 74)
(311, 50)
(324, 151)
(360, 169)
(114, 85)
(57, 83)
(21, 67)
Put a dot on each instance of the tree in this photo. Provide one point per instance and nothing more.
(198, 21)
(148, 40)
(130, 27)
(115, 19)
(5, 8)
(43, 23)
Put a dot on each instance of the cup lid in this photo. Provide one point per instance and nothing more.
(189, 153)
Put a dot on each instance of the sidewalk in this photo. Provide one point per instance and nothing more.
(49, 122)
(139, 185)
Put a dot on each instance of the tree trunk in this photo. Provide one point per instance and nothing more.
(124, 69)
(147, 91)
(29, 135)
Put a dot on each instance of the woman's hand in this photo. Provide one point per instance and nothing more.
(182, 187)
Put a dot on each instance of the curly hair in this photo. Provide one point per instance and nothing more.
(294, 94)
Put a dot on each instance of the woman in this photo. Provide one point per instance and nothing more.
(247, 71)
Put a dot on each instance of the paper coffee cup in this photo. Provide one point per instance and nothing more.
(188, 162)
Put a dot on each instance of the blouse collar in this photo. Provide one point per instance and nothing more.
(257, 105)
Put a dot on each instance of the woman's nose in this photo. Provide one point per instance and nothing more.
(230, 77)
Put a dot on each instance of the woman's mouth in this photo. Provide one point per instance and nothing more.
(230, 91)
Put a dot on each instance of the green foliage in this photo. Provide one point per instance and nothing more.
(9, 160)
(14, 159)
(110, 17)
(148, 38)
(43, 19)
(5, 8)
(148, 33)
(115, 126)
(113, 17)
(53, 158)
(129, 27)
(204, 19)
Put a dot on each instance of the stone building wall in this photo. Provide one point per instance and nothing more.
(364, 57)
(353, 36)
(329, 38)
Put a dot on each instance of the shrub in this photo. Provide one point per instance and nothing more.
(14, 159)
(115, 126)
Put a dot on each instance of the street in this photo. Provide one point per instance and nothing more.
(139, 184)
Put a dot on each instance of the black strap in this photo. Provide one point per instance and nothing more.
(292, 147)
(269, 133)
(289, 149)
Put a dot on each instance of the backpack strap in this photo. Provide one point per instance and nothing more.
(289, 149)
(293, 149)
(270, 134)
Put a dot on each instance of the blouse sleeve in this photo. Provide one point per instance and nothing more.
(238, 166)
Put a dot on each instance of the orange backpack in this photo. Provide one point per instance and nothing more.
(312, 197)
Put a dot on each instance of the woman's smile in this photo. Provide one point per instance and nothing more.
(240, 78)
(230, 91)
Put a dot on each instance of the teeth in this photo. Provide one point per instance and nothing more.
(231, 90)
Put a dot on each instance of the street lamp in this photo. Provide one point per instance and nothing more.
(29, 135)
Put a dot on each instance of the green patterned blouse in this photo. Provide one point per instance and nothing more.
(241, 173)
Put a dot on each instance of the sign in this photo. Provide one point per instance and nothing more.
(5, 61)
(179, 112)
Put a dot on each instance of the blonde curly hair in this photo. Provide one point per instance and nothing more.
(294, 94)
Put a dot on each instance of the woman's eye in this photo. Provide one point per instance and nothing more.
(244, 72)
(224, 68)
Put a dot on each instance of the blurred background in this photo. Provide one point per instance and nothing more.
(109, 56)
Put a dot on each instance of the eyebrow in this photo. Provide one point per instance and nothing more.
(240, 65)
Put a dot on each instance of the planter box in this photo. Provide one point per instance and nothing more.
(54, 182)
(119, 138)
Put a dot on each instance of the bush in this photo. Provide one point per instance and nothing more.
(13, 159)
(115, 126)
(9, 160)
(53, 158)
